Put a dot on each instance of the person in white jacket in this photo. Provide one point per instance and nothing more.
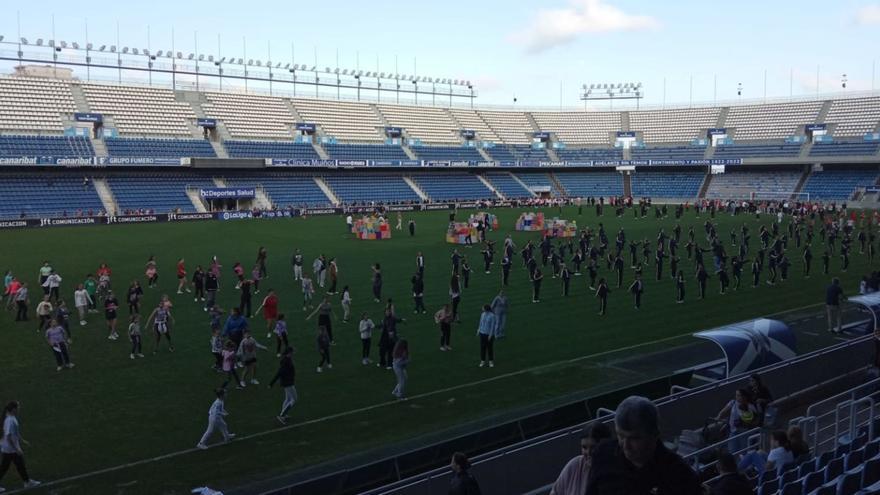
(82, 301)
(216, 420)
(53, 283)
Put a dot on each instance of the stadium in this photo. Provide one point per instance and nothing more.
(564, 258)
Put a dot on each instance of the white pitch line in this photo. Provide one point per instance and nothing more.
(382, 404)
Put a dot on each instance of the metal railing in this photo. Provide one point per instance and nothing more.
(840, 417)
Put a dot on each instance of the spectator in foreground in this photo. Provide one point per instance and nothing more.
(779, 456)
(730, 481)
(573, 478)
(637, 461)
(463, 483)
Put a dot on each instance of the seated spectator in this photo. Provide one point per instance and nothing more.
(573, 478)
(463, 483)
(761, 395)
(741, 415)
(799, 447)
(637, 462)
(779, 456)
(730, 481)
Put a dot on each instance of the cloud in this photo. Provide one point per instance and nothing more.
(828, 83)
(486, 83)
(555, 27)
(868, 15)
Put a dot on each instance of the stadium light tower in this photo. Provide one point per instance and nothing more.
(612, 91)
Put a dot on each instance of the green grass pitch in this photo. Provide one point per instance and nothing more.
(111, 411)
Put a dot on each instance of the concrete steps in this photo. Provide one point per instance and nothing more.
(415, 187)
(488, 184)
(106, 195)
(525, 186)
(196, 200)
(79, 98)
(328, 191)
(707, 179)
(99, 146)
(557, 184)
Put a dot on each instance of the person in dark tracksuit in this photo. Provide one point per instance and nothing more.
(537, 277)
(825, 259)
(637, 288)
(679, 287)
(388, 339)
(602, 294)
(756, 272)
(702, 277)
(808, 260)
(505, 269)
(286, 375)
(565, 275)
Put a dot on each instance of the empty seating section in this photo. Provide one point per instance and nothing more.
(672, 153)
(673, 126)
(448, 153)
(431, 125)
(838, 184)
(285, 190)
(251, 116)
(587, 154)
(55, 146)
(346, 121)
(159, 148)
(757, 151)
(667, 184)
(452, 185)
(33, 104)
(470, 119)
(525, 153)
(161, 193)
(771, 121)
(501, 153)
(538, 179)
(365, 152)
(854, 117)
(270, 149)
(509, 187)
(857, 148)
(510, 127)
(736, 185)
(580, 128)
(361, 187)
(139, 110)
(44, 195)
(596, 184)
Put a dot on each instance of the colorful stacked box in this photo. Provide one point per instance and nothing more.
(371, 229)
(530, 222)
(490, 219)
(458, 233)
(560, 228)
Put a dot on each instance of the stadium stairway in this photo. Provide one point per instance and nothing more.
(527, 188)
(406, 149)
(106, 195)
(556, 184)
(707, 180)
(483, 153)
(196, 199)
(803, 180)
(328, 191)
(261, 199)
(627, 185)
(99, 146)
(489, 185)
(552, 154)
(624, 121)
(415, 187)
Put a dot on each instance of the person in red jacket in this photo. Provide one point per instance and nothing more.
(270, 311)
(182, 281)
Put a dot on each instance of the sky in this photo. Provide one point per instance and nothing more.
(540, 53)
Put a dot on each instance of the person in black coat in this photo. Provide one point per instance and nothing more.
(730, 481)
(286, 375)
(463, 482)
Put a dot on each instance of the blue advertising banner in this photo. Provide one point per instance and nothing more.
(352, 163)
(227, 192)
(234, 215)
(626, 134)
(541, 135)
(207, 123)
(393, 131)
(300, 162)
(718, 131)
(468, 133)
(88, 117)
(306, 127)
(144, 160)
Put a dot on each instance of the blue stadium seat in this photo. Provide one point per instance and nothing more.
(806, 468)
(452, 186)
(788, 476)
(814, 480)
(855, 148)
(757, 151)
(46, 195)
(769, 487)
(285, 190)
(871, 471)
(270, 149)
(451, 153)
(872, 449)
(850, 482)
(507, 185)
(595, 184)
(853, 459)
(365, 152)
(161, 193)
(54, 146)
(159, 148)
(685, 184)
(670, 153)
(833, 469)
(538, 179)
(793, 488)
(838, 184)
(361, 187)
(591, 154)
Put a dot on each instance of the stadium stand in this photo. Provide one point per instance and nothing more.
(348, 122)
(452, 186)
(365, 152)
(430, 125)
(595, 184)
(507, 185)
(45, 195)
(284, 190)
(159, 148)
(674, 125)
(525, 153)
(838, 184)
(771, 121)
(674, 184)
(251, 116)
(447, 153)
(359, 187)
(738, 184)
(854, 117)
(160, 192)
(676, 153)
(510, 127)
(140, 111)
(470, 119)
(538, 179)
(580, 128)
(501, 153)
(574, 154)
(55, 146)
(757, 150)
(270, 149)
(34, 105)
(843, 148)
